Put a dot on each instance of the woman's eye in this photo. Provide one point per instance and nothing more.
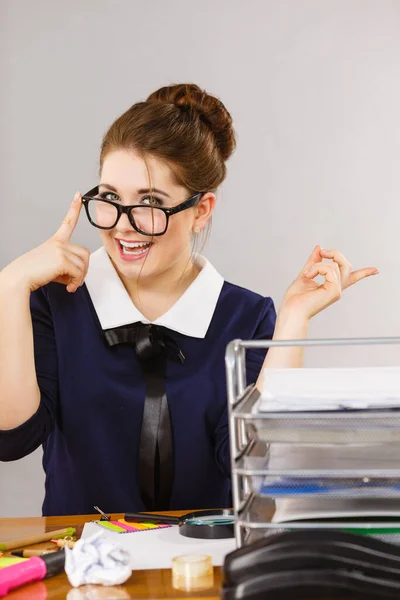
(151, 201)
(109, 196)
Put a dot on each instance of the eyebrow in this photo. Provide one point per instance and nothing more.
(141, 191)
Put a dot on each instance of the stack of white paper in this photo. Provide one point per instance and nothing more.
(330, 389)
(155, 548)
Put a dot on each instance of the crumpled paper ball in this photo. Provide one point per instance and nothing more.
(96, 560)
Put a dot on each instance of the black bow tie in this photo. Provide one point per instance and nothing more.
(148, 340)
(153, 345)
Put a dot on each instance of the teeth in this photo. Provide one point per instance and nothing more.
(133, 244)
(137, 251)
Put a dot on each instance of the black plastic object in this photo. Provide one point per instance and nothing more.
(327, 584)
(201, 524)
(55, 562)
(313, 564)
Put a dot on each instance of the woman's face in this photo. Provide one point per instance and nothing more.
(125, 180)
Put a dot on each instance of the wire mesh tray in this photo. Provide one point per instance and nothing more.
(319, 460)
(361, 514)
(320, 427)
(390, 536)
(328, 487)
(353, 427)
(361, 495)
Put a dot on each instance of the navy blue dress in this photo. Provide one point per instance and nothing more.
(92, 396)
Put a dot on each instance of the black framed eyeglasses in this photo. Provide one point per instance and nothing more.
(146, 219)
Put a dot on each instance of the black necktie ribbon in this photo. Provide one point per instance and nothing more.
(154, 345)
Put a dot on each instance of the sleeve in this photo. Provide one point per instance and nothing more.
(254, 362)
(264, 331)
(222, 450)
(24, 439)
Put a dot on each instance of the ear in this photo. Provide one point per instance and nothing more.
(204, 210)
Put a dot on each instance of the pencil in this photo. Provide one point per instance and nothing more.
(32, 552)
(36, 539)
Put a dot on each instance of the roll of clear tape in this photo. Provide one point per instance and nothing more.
(192, 572)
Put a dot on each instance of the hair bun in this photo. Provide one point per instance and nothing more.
(208, 108)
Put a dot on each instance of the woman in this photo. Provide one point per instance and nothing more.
(119, 371)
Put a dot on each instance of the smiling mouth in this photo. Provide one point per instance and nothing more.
(134, 249)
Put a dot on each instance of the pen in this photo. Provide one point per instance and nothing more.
(151, 518)
(36, 539)
(29, 552)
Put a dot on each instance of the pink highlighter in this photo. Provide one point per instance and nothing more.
(33, 569)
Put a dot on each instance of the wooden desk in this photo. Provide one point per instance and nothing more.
(141, 585)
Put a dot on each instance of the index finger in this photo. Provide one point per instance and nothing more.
(314, 258)
(68, 225)
(338, 258)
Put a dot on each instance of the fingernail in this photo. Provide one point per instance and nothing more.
(77, 196)
(376, 272)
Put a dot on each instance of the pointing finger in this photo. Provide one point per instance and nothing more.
(68, 225)
(361, 274)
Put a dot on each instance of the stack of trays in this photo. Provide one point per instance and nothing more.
(317, 458)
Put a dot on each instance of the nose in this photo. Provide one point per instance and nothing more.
(123, 224)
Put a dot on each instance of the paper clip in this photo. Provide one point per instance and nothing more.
(104, 517)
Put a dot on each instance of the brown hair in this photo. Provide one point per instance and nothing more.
(182, 125)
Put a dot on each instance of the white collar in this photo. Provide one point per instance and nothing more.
(190, 315)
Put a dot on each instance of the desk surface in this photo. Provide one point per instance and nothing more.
(155, 584)
(141, 585)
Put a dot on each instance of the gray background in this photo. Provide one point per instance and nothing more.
(314, 90)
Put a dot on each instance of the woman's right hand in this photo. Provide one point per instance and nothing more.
(54, 260)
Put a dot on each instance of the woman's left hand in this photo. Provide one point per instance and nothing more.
(305, 297)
